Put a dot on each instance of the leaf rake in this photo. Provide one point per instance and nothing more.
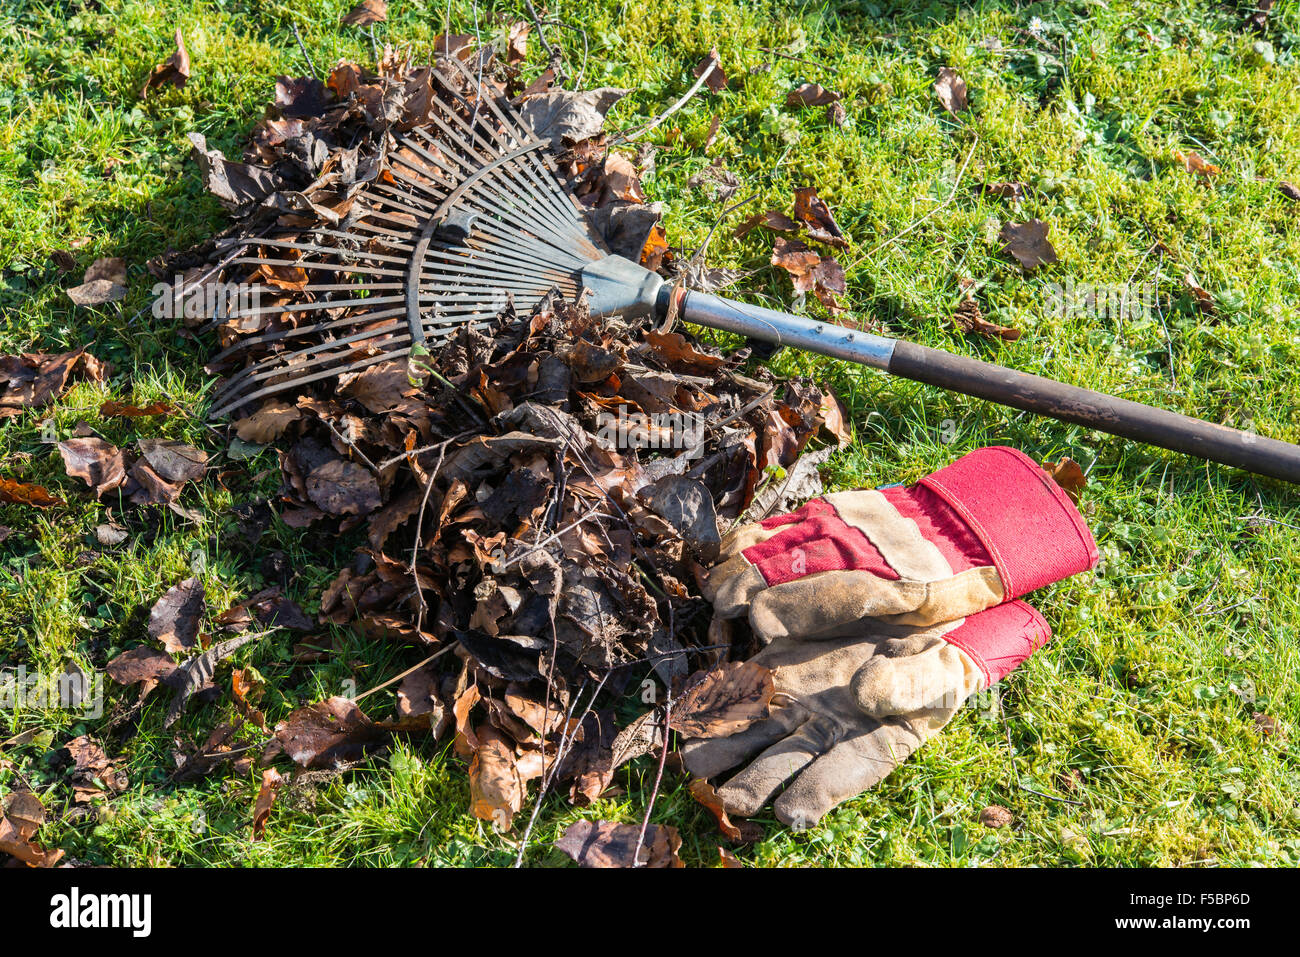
(469, 215)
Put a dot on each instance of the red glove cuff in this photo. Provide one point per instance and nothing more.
(1000, 638)
(1025, 521)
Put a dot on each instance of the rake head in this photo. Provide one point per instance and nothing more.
(468, 216)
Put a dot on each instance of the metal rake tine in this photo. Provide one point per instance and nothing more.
(516, 125)
(229, 406)
(530, 197)
(308, 264)
(518, 216)
(505, 190)
(511, 117)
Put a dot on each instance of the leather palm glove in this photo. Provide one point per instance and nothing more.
(990, 527)
(847, 711)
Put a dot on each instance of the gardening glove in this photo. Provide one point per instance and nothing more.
(990, 527)
(847, 711)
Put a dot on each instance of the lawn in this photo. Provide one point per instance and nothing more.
(1159, 727)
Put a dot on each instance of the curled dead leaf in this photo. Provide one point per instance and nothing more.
(366, 13)
(1028, 244)
(723, 700)
(609, 844)
(272, 781)
(96, 462)
(811, 94)
(104, 281)
(175, 618)
(174, 70)
(717, 80)
(816, 217)
(14, 492)
(1068, 475)
(950, 88)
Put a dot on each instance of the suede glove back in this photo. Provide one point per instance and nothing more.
(850, 710)
(988, 528)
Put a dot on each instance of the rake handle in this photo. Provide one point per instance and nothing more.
(1019, 390)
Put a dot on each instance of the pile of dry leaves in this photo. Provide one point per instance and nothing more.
(533, 508)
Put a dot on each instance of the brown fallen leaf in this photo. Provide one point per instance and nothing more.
(174, 70)
(326, 733)
(194, 674)
(1204, 301)
(683, 353)
(1068, 475)
(969, 318)
(609, 844)
(96, 462)
(496, 780)
(772, 219)
(174, 461)
(1028, 244)
(32, 380)
(705, 794)
(1013, 191)
(810, 271)
(835, 420)
(270, 608)
(816, 217)
(150, 488)
(175, 618)
(22, 818)
(811, 94)
(14, 492)
(141, 665)
(268, 423)
(727, 859)
(272, 781)
(995, 816)
(104, 281)
(93, 773)
(1265, 723)
(517, 41)
(717, 81)
(1195, 163)
(723, 700)
(573, 116)
(365, 13)
(248, 690)
(951, 90)
(124, 410)
(340, 487)
(1289, 190)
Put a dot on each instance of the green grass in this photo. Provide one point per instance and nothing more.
(1160, 657)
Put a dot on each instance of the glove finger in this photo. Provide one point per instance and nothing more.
(937, 678)
(709, 757)
(754, 786)
(731, 586)
(825, 603)
(848, 769)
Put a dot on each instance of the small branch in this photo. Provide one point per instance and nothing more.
(302, 47)
(944, 205)
(419, 536)
(796, 59)
(409, 671)
(555, 58)
(629, 137)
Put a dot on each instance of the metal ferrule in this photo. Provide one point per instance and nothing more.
(783, 329)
